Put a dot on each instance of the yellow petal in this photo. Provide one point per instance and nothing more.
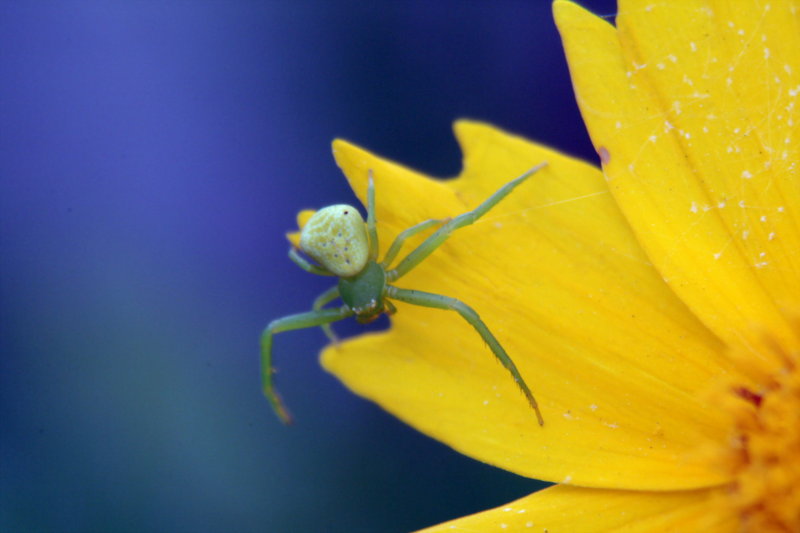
(579, 510)
(302, 218)
(693, 106)
(614, 358)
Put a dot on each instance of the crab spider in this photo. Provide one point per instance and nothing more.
(343, 246)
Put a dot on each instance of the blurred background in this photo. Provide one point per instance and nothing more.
(152, 156)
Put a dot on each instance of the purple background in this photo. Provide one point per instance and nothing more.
(152, 156)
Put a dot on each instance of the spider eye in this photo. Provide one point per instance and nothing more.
(336, 237)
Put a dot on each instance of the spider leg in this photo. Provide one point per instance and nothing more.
(465, 219)
(371, 229)
(322, 300)
(394, 249)
(298, 321)
(438, 301)
(303, 263)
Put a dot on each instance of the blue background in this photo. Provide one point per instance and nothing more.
(152, 156)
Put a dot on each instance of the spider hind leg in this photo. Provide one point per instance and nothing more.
(438, 301)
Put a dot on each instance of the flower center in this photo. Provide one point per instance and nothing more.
(765, 445)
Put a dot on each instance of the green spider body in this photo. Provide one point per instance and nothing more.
(346, 247)
(364, 292)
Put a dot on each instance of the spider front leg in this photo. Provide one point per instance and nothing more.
(438, 301)
(303, 263)
(322, 300)
(287, 323)
(465, 219)
(372, 230)
(394, 249)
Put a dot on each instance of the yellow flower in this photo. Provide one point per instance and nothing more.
(651, 306)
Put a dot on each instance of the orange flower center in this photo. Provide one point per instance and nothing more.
(765, 444)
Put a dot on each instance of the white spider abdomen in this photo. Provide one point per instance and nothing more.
(336, 237)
